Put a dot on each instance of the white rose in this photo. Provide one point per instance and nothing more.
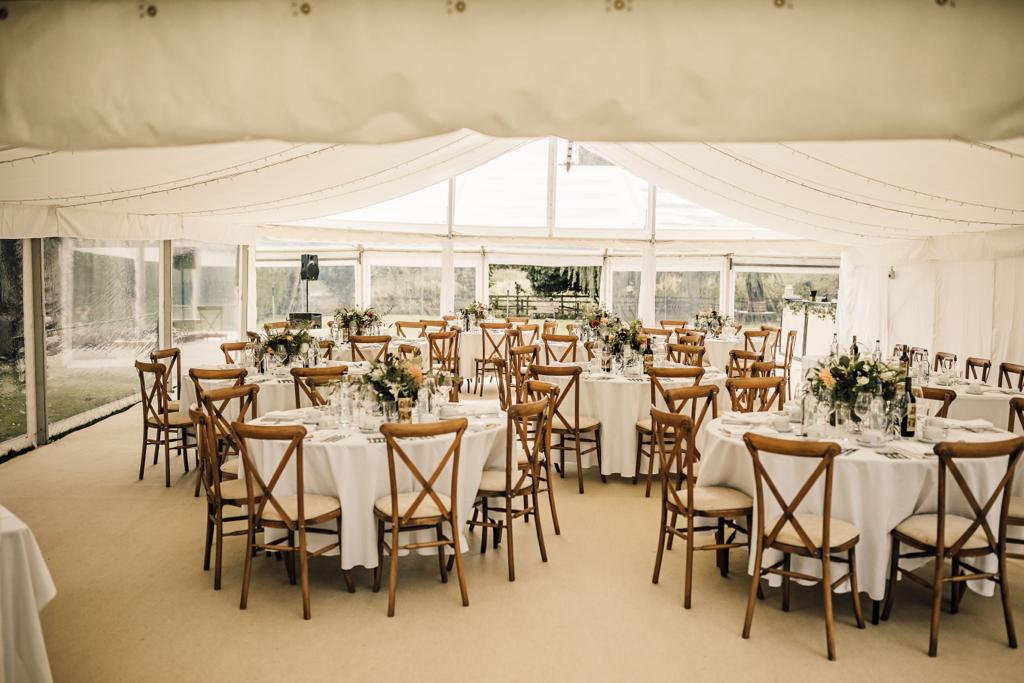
(862, 381)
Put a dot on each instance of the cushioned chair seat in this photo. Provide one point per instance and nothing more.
(494, 481)
(234, 489)
(840, 532)
(1017, 507)
(924, 528)
(715, 498)
(426, 508)
(173, 406)
(230, 467)
(645, 425)
(585, 423)
(313, 506)
(173, 419)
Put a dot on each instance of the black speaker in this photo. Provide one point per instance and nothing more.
(310, 267)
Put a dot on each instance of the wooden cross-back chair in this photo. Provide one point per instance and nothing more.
(448, 317)
(786, 365)
(443, 351)
(523, 335)
(409, 329)
(505, 396)
(527, 437)
(1007, 370)
(171, 359)
(674, 436)
(664, 332)
(755, 394)
(517, 319)
(774, 341)
(494, 345)
(537, 390)
(256, 336)
(169, 426)
(552, 354)
(740, 362)
(941, 356)
(520, 358)
(229, 348)
(588, 346)
(945, 535)
(205, 380)
(549, 326)
(422, 508)
(757, 341)
(687, 354)
(762, 368)
(308, 381)
(973, 364)
(433, 326)
(278, 325)
(326, 348)
(814, 535)
(944, 397)
(674, 324)
(1015, 514)
(220, 492)
(692, 337)
(296, 514)
(374, 346)
(409, 351)
(584, 432)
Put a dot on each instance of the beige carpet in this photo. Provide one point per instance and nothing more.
(133, 603)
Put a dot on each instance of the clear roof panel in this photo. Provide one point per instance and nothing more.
(510, 191)
(428, 206)
(592, 192)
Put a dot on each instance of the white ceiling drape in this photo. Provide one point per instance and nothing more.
(107, 74)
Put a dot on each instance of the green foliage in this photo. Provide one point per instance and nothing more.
(553, 280)
(840, 380)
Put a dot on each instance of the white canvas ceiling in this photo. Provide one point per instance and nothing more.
(78, 75)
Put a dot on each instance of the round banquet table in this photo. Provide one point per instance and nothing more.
(870, 490)
(343, 351)
(277, 392)
(471, 347)
(716, 351)
(992, 405)
(345, 464)
(618, 402)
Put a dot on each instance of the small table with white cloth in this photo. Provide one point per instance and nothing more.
(992, 403)
(25, 589)
(872, 491)
(716, 351)
(353, 467)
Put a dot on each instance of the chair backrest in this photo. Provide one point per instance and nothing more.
(365, 343)
(517, 319)
(216, 401)
(549, 326)
(522, 335)
(228, 348)
(564, 416)
(762, 368)
(501, 378)
(260, 489)
(941, 356)
(328, 346)
(825, 453)
(658, 377)
(564, 355)
(755, 394)
(433, 326)
(1016, 411)
(790, 349)
(171, 358)
(658, 332)
(154, 391)
(949, 453)
(409, 351)
(395, 434)
(774, 340)
(528, 429)
(278, 325)
(945, 396)
(673, 324)
(699, 399)
(756, 341)
(740, 362)
(688, 354)
(409, 328)
(200, 376)
(694, 337)
(673, 442)
(1008, 369)
(255, 336)
(493, 340)
(520, 358)
(443, 351)
(973, 364)
(308, 381)
(207, 452)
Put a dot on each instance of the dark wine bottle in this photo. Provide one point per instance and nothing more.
(648, 356)
(854, 349)
(908, 424)
(905, 359)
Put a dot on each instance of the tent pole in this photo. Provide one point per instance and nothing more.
(38, 341)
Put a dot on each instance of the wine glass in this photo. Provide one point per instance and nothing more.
(862, 408)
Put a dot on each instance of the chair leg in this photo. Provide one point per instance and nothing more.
(671, 537)
(289, 561)
(145, 444)
(890, 586)
(167, 459)
(561, 455)
(485, 520)
(393, 570)
(510, 547)
(304, 574)
(579, 459)
(855, 589)
(551, 501)
(954, 588)
(786, 560)
(379, 569)
(458, 561)
(536, 524)
(650, 472)
(662, 532)
(826, 586)
(689, 561)
(209, 538)
(723, 554)
(600, 461)
(438, 534)
(219, 549)
(755, 588)
(1004, 589)
(250, 544)
(933, 636)
(639, 452)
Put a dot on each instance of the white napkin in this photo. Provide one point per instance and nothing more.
(746, 419)
(914, 449)
(950, 423)
(471, 409)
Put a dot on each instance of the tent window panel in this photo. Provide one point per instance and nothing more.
(510, 191)
(465, 287)
(674, 211)
(592, 192)
(759, 295)
(541, 292)
(626, 293)
(12, 342)
(100, 301)
(405, 292)
(205, 301)
(680, 295)
(280, 291)
(428, 206)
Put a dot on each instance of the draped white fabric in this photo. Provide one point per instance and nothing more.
(107, 74)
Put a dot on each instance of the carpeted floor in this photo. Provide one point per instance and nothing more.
(133, 603)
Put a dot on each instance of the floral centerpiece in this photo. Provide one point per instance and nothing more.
(599, 321)
(629, 336)
(711, 321)
(394, 378)
(355, 320)
(841, 379)
(287, 343)
(474, 312)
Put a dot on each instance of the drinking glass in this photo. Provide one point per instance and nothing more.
(862, 408)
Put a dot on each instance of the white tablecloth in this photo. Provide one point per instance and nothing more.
(25, 589)
(871, 491)
(992, 405)
(343, 351)
(716, 351)
(618, 402)
(356, 472)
